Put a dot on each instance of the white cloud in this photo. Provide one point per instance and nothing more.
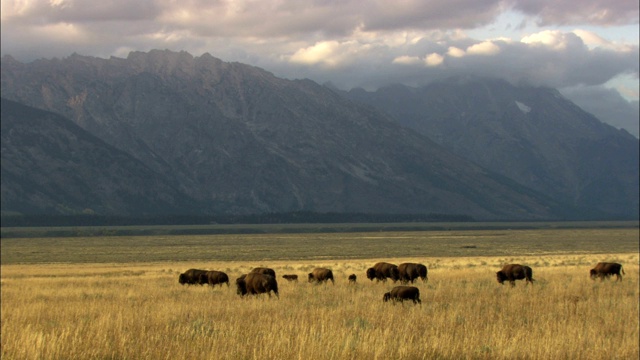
(455, 52)
(407, 60)
(433, 59)
(483, 48)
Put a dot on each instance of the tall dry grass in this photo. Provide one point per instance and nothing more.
(139, 311)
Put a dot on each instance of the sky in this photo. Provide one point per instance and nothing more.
(587, 49)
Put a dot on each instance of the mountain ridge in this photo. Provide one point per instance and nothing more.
(240, 140)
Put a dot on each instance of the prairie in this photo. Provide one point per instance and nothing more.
(119, 298)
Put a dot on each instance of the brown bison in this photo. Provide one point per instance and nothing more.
(606, 269)
(256, 283)
(263, 270)
(402, 293)
(320, 275)
(352, 278)
(382, 270)
(513, 272)
(290, 277)
(214, 278)
(408, 272)
(191, 277)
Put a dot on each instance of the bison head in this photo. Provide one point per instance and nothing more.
(386, 297)
(501, 277)
(182, 279)
(242, 286)
(371, 273)
(593, 273)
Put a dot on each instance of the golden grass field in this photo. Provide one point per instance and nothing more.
(119, 297)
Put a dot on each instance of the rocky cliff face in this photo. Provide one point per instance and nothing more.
(235, 139)
(533, 136)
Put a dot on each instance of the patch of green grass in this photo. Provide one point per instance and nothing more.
(504, 244)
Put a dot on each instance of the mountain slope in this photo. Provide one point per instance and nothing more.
(241, 140)
(51, 166)
(531, 135)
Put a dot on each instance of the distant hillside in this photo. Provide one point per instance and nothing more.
(531, 135)
(234, 139)
(52, 166)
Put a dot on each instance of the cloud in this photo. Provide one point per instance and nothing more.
(484, 48)
(569, 12)
(433, 59)
(607, 105)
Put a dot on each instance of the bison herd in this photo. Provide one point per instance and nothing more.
(262, 280)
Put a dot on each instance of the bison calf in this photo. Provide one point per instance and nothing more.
(290, 277)
(513, 272)
(320, 275)
(606, 269)
(402, 293)
(352, 278)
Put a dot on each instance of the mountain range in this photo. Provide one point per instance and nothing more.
(168, 133)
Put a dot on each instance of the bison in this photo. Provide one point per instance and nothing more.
(382, 270)
(402, 293)
(214, 278)
(320, 275)
(513, 272)
(352, 278)
(191, 277)
(290, 277)
(256, 283)
(606, 269)
(264, 270)
(408, 272)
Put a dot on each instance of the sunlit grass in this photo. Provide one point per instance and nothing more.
(125, 309)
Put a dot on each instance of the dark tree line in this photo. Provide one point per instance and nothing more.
(298, 217)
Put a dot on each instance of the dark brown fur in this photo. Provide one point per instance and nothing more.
(408, 272)
(513, 272)
(290, 277)
(214, 278)
(320, 275)
(352, 278)
(402, 293)
(263, 270)
(382, 270)
(605, 270)
(191, 277)
(256, 283)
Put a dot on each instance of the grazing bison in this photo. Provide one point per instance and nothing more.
(382, 270)
(606, 269)
(290, 277)
(352, 278)
(191, 277)
(264, 270)
(256, 283)
(408, 272)
(214, 278)
(513, 272)
(320, 275)
(402, 293)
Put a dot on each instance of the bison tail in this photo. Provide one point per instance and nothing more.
(622, 270)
